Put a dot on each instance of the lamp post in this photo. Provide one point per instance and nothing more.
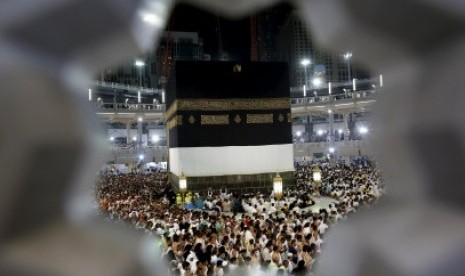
(183, 186)
(331, 154)
(316, 82)
(139, 64)
(319, 133)
(140, 121)
(298, 134)
(362, 130)
(316, 180)
(305, 62)
(347, 57)
(155, 139)
(278, 187)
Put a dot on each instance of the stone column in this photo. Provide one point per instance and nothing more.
(128, 129)
(139, 133)
(346, 126)
(331, 127)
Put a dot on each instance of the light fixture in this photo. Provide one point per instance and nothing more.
(319, 132)
(155, 138)
(347, 55)
(139, 119)
(316, 180)
(278, 187)
(305, 62)
(316, 174)
(182, 183)
(152, 19)
(330, 111)
(316, 81)
(298, 133)
(112, 138)
(134, 138)
(139, 63)
(331, 150)
(363, 130)
(141, 157)
(90, 95)
(339, 131)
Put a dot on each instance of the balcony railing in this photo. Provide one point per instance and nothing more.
(317, 145)
(332, 98)
(126, 87)
(144, 150)
(111, 106)
(348, 148)
(348, 97)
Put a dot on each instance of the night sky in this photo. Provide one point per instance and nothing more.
(235, 34)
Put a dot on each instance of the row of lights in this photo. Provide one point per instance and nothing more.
(139, 63)
(361, 130)
(126, 101)
(277, 183)
(316, 80)
(155, 138)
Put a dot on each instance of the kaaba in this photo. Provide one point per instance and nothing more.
(229, 125)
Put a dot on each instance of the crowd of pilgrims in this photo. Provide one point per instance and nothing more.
(226, 233)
